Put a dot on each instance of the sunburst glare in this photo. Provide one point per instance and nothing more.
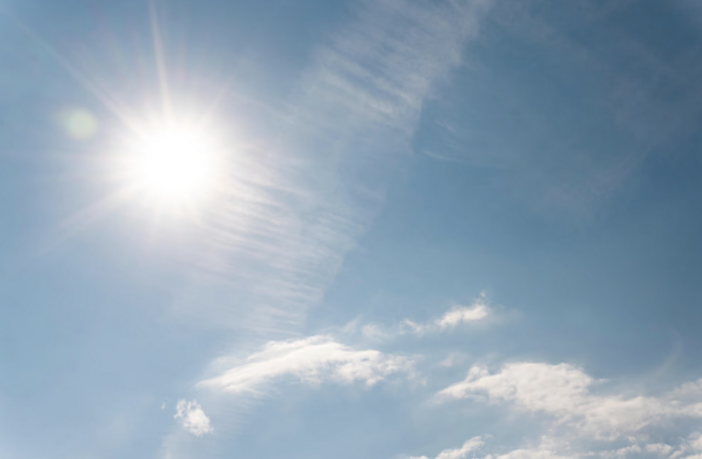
(173, 164)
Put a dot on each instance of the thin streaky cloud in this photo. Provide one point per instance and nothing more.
(381, 67)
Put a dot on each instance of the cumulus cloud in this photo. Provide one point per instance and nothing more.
(192, 418)
(582, 420)
(311, 360)
(564, 392)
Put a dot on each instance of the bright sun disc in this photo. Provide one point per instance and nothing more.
(174, 164)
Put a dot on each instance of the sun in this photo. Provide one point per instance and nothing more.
(173, 164)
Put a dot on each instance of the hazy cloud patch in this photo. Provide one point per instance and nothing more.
(192, 418)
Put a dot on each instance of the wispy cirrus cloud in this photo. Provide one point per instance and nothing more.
(382, 66)
(293, 210)
(312, 360)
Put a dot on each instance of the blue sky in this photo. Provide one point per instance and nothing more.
(431, 229)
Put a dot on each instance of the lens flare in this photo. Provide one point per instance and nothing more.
(79, 124)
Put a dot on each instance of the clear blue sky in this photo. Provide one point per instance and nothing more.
(379, 229)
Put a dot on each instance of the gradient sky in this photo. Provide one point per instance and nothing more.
(442, 229)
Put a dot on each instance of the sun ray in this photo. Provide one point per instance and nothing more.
(161, 68)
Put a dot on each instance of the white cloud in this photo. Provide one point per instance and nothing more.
(548, 448)
(583, 422)
(695, 441)
(192, 418)
(460, 315)
(689, 448)
(563, 392)
(479, 311)
(476, 312)
(468, 447)
(312, 360)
